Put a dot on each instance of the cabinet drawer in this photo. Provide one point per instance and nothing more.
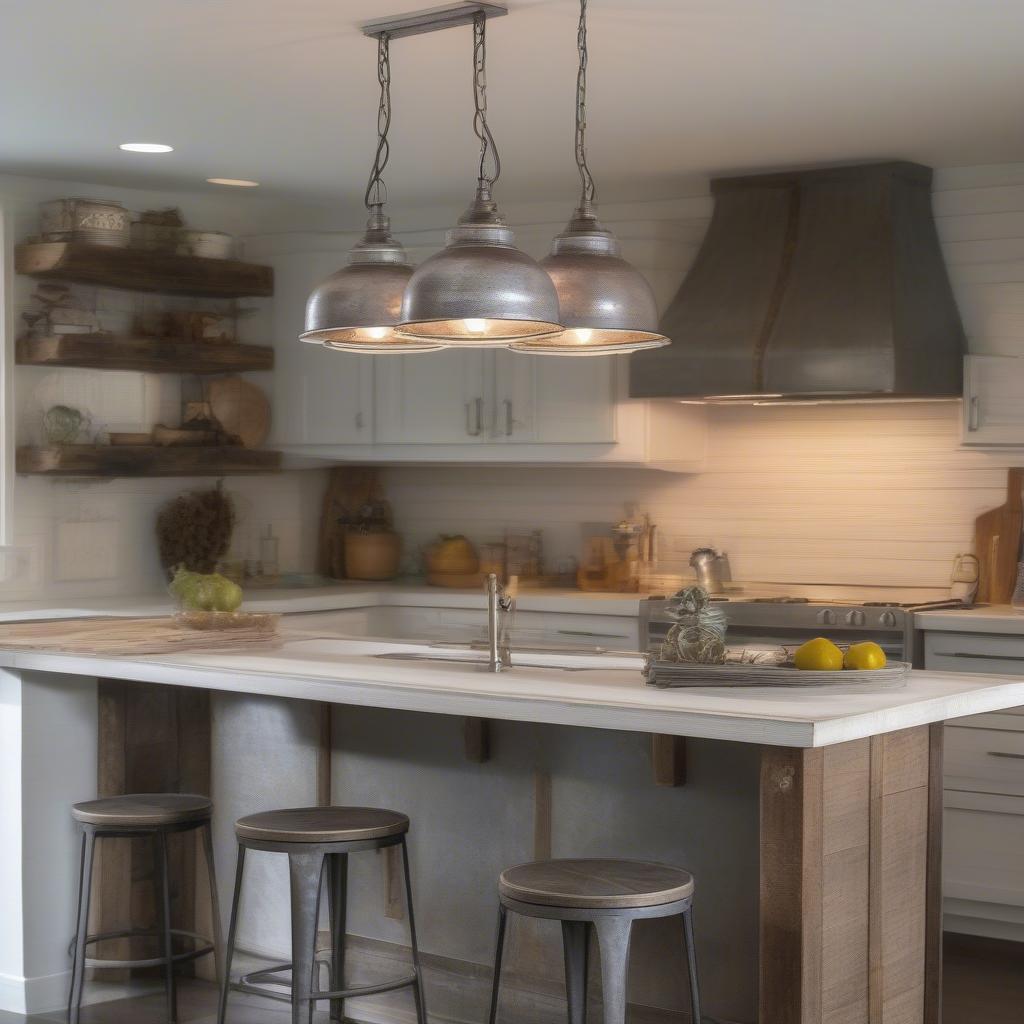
(985, 760)
(983, 855)
(974, 652)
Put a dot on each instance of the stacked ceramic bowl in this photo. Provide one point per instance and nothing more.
(95, 221)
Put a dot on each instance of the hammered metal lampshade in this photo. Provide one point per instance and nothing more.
(356, 308)
(480, 291)
(606, 305)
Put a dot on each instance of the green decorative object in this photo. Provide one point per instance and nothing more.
(64, 425)
(698, 635)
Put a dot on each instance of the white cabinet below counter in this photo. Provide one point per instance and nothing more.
(983, 821)
(469, 406)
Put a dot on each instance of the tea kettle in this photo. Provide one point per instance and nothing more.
(707, 564)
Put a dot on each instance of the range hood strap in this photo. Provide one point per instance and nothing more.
(782, 277)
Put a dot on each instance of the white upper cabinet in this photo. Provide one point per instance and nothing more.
(319, 397)
(432, 398)
(459, 406)
(993, 400)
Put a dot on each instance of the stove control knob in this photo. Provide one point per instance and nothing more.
(855, 618)
(887, 619)
(826, 617)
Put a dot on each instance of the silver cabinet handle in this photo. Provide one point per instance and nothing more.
(360, 421)
(509, 422)
(980, 657)
(1004, 753)
(474, 417)
(973, 413)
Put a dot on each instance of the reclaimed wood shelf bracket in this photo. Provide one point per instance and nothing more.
(143, 270)
(146, 460)
(476, 735)
(668, 760)
(146, 355)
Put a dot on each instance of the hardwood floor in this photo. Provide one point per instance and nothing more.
(983, 984)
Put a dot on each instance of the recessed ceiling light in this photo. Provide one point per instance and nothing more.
(146, 147)
(237, 182)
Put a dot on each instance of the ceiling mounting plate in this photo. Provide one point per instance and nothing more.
(434, 19)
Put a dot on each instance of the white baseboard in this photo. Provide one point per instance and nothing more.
(47, 993)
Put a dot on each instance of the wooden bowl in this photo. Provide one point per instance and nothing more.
(372, 556)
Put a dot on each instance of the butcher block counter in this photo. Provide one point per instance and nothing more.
(850, 795)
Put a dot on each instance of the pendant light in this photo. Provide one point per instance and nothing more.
(356, 308)
(480, 290)
(606, 305)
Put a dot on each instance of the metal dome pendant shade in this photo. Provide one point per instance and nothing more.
(605, 304)
(356, 308)
(480, 291)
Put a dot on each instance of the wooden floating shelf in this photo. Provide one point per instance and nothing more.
(149, 355)
(142, 270)
(146, 460)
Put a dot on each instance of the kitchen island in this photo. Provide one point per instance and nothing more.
(849, 790)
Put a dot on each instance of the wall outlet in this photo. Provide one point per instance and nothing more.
(85, 551)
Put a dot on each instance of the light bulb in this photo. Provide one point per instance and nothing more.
(475, 326)
(377, 332)
(583, 334)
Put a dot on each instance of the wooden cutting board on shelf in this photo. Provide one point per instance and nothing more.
(997, 542)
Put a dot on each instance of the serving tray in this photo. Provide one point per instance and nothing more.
(666, 674)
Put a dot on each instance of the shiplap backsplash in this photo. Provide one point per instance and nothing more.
(829, 494)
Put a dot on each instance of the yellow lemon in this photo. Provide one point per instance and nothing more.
(819, 655)
(865, 655)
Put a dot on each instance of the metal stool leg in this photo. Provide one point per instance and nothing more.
(576, 944)
(421, 1001)
(613, 933)
(499, 948)
(229, 952)
(305, 871)
(691, 963)
(81, 934)
(164, 902)
(211, 874)
(337, 893)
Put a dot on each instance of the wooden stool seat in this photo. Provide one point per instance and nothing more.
(322, 825)
(599, 897)
(143, 810)
(596, 884)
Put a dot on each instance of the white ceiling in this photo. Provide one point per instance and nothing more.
(284, 91)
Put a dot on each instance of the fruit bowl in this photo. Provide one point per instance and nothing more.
(261, 622)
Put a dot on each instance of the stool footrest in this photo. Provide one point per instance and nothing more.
(204, 948)
(256, 981)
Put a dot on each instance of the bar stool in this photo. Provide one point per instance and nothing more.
(318, 841)
(128, 817)
(608, 895)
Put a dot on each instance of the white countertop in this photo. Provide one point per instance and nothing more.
(991, 618)
(345, 672)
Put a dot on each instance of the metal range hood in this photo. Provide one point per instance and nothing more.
(812, 285)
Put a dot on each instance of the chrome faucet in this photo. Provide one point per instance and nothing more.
(499, 653)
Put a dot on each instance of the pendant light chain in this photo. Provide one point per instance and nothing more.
(586, 179)
(480, 127)
(376, 190)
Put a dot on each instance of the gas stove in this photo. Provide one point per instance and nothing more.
(789, 620)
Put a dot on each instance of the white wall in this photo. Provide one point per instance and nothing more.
(843, 494)
(38, 508)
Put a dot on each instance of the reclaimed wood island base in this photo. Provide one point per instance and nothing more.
(850, 798)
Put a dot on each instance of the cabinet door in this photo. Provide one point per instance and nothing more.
(993, 410)
(431, 398)
(514, 404)
(574, 398)
(320, 396)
